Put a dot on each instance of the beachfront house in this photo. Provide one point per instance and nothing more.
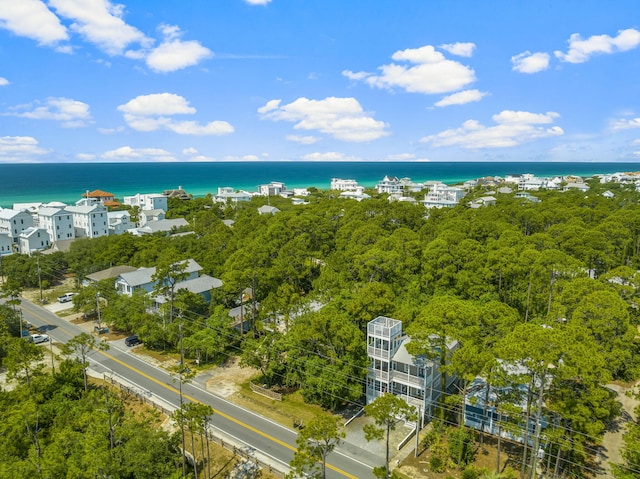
(103, 197)
(89, 219)
(142, 279)
(6, 245)
(392, 369)
(339, 184)
(14, 222)
(227, 194)
(274, 188)
(390, 185)
(150, 201)
(58, 222)
(442, 196)
(358, 194)
(33, 239)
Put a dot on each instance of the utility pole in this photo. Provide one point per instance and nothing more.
(98, 308)
(184, 452)
(39, 277)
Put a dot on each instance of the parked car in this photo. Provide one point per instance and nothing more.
(65, 298)
(39, 338)
(132, 340)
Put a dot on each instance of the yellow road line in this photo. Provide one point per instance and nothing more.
(226, 416)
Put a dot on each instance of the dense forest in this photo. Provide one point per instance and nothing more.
(551, 285)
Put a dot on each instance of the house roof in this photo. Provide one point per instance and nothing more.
(197, 285)
(46, 211)
(8, 214)
(112, 272)
(161, 225)
(267, 209)
(97, 194)
(143, 275)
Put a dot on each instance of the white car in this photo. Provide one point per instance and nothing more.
(65, 298)
(39, 338)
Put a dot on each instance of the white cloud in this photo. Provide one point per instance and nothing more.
(512, 128)
(624, 124)
(241, 158)
(100, 22)
(460, 49)
(20, 149)
(257, 2)
(111, 131)
(460, 98)
(3, 81)
(527, 62)
(72, 113)
(581, 50)
(189, 151)
(329, 156)
(32, 19)
(85, 156)
(157, 104)
(174, 54)
(340, 118)
(401, 157)
(153, 112)
(430, 73)
(126, 153)
(303, 140)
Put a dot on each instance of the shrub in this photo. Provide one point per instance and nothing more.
(436, 464)
(470, 473)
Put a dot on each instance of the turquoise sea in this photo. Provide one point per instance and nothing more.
(65, 182)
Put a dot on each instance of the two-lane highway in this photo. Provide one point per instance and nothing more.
(267, 438)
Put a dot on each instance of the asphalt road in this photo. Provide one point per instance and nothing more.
(267, 440)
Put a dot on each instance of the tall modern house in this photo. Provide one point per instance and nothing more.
(415, 379)
(14, 222)
(58, 222)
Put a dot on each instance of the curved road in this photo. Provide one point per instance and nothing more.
(269, 441)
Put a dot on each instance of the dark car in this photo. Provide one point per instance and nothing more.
(132, 340)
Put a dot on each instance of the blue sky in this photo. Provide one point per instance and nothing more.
(311, 80)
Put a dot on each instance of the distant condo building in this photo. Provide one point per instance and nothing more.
(14, 222)
(58, 222)
(339, 184)
(89, 219)
(151, 201)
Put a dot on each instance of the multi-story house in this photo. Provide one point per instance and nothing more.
(6, 245)
(274, 188)
(390, 185)
(33, 239)
(343, 185)
(393, 369)
(89, 219)
(102, 197)
(57, 222)
(119, 222)
(228, 194)
(151, 201)
(14, 222)
(443, 196)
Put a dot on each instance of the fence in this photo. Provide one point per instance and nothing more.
(265, 392)
(244, 453)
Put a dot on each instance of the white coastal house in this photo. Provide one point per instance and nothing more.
(58, 222)
(390, 185)
(339, 184)
(33, 239)
(358, 194)
(274, 188)
(161, 226)
(13, 222)
(227, 194)
(392, 369)
(268, 210)
(119, 222)
(6, 245)
(443, 196)
(89, 219)
(142, 279)
(148, 216)
(149, 201)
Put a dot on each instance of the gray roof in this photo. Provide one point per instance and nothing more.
(47, 211)
(113, 272)
(8, 213)
(162, 225)
(198, 285)
(143, 275)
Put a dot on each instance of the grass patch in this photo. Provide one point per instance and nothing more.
(283, 412)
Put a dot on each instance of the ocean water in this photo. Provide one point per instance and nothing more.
(66, 182)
